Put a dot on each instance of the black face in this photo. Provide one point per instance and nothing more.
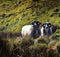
(47, 25)
(36, 24)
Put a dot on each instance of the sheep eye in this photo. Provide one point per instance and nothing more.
(49, 25)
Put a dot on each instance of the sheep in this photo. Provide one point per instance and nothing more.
(32, 30)
(36, 33)
(37, 29)
(26, 30)
(36, 24)
(47, 28)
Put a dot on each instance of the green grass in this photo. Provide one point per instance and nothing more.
(22, 16)
(16, 15)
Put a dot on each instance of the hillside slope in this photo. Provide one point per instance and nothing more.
(15, 14)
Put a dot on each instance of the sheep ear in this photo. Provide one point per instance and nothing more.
(43, 25)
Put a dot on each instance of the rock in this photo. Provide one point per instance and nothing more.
(3, 15)
(3, 5)
(56, 10)
(36, 1)
(58, 48)
(41, 41)
(51, 15)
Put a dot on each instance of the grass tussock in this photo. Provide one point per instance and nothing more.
(14, 47)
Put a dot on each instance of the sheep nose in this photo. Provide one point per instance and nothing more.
(35, 24)
(46, 26)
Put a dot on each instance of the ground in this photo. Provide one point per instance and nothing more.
(15, 14)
